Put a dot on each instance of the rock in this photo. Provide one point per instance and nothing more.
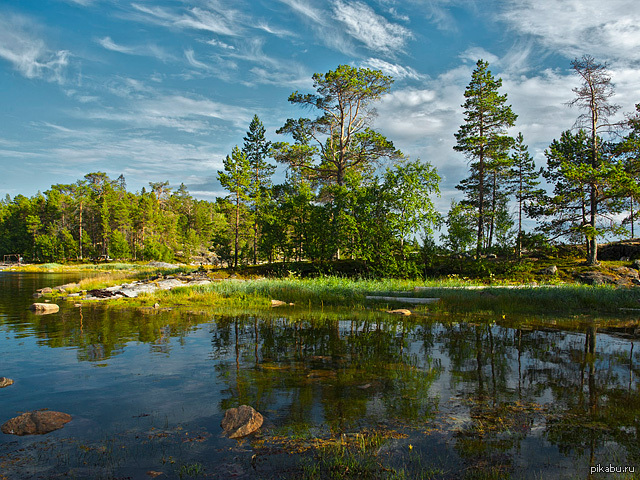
(400, 311)
(37, 422)
(44, 308)
(636, 264)
(552, 270)
(596, 278)
(156, 305)
(241, 421)
(154, 474)
(5, 382)
(279, 303)
(624, 259)
(38, 295)
(46, 290)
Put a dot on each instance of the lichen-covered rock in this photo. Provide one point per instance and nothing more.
(37, 422)
(5, 382)
(45, 308)
(241, 421)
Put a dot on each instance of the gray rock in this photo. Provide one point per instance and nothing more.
(37, 422)
(636, 264)
(46, 290)
(552, 270)
(240, 422)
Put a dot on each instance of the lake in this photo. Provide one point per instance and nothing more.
(344, 394)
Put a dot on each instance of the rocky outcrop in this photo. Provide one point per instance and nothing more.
(44, 308)
(37, 422)
(5, 382)
(240, 422)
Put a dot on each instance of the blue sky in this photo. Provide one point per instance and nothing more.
(162, 90)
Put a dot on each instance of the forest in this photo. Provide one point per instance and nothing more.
(349, 193)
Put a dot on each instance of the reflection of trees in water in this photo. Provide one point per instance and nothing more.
(100, 333)
(588, 381)
(343, 373)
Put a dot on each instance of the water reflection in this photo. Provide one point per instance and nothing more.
(522, 397)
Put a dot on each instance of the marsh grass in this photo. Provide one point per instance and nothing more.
(454, 297)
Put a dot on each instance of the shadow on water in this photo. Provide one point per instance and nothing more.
(344, 394)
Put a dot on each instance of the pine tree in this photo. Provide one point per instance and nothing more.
(483, 139)
(523, 181)
(593, 96)
(236, 179)
(256, 148)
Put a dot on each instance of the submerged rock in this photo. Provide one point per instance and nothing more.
(241, 421)
(400, 311)
(279, 303)
(37, 422)
(44, 308)
(5, 382)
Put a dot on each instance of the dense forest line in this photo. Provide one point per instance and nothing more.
(338, 202)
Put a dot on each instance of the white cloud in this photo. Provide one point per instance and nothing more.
(218, 20)
(109, 44)
(191, 115)
(373, 30)
(27, 52)
(573, 27)
(306, 9)
(398, 72)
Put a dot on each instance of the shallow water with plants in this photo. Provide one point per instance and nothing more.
(345, 394)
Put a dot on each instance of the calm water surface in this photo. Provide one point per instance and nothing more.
(449, 397)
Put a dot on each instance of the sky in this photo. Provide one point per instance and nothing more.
(162, 90)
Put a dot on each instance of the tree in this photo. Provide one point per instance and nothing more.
(408, 188)
(236, 179)
(569, 212)
(460, 232)
(340, 139)
(593, 96)
(337, 148)
(482, 138)
(628, 152)
(256, 148)
(524, 179)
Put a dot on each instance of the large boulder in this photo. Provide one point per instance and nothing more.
(44, 308)
(241, 421)
(37, 422)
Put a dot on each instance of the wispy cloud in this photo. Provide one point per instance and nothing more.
(574, 27)
(371, 29)
(21, 45)
(308, 10)
(191, 115)
(109, 44)
(217, 20)
(398, 72)
(148, 50)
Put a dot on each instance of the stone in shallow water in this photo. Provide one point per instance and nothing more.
(241, 421)
(37, 422)
(45, 308)
(5, 382)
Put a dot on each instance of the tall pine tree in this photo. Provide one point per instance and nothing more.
(523, 181)
(483, 139)
(236, 179)
(256, 148)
